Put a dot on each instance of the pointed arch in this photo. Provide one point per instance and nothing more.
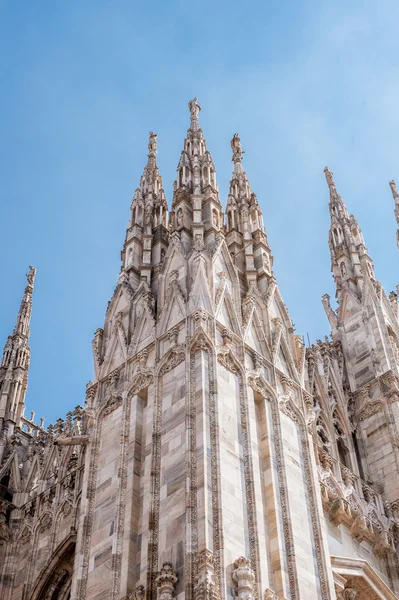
(54, 580)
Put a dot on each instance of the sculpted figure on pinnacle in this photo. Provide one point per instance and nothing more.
(237, 149)
(152, 144)
(194, 109)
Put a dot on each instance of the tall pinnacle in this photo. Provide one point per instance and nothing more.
(349, 257)
(25, 310)
(16, 358)
(395, 195)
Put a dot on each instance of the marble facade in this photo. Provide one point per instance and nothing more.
(215, 456)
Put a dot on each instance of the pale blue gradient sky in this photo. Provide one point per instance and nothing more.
(304, 83)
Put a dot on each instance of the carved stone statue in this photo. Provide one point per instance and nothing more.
(329, 177)
(236, 147)
(194, 108)
(31, 275)
(393, 187)
(152, 144)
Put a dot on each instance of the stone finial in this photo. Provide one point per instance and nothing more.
(329, 177)
(31, 275)
(166, 582)
(394, 190)
(194, 108)
(152, 144)
(244, 576)
(237, 149)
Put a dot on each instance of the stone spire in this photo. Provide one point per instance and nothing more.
(349, 256)
(146, 236)
(246, 235)
(16, 358)
(395, 195)
(196, 209)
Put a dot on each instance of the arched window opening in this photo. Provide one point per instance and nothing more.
(6, 492)
(335, 236)
(342, 269)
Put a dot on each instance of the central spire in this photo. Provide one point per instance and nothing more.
(197, 212)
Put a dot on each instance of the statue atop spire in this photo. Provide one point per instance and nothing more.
(194, 108)
(329, 177)
(237, 149)
(394, 189)
(31, 276)
(152, 144)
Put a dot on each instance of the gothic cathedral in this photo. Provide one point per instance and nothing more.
(215, 456)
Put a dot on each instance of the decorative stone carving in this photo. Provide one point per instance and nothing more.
(244, 576)
(173, 335)
(270, 595)
(204, 588)
(166, 582)
(200, 319)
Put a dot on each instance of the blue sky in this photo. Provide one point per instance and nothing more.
(304, 83)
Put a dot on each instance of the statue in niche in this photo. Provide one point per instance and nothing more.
(179, 217)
